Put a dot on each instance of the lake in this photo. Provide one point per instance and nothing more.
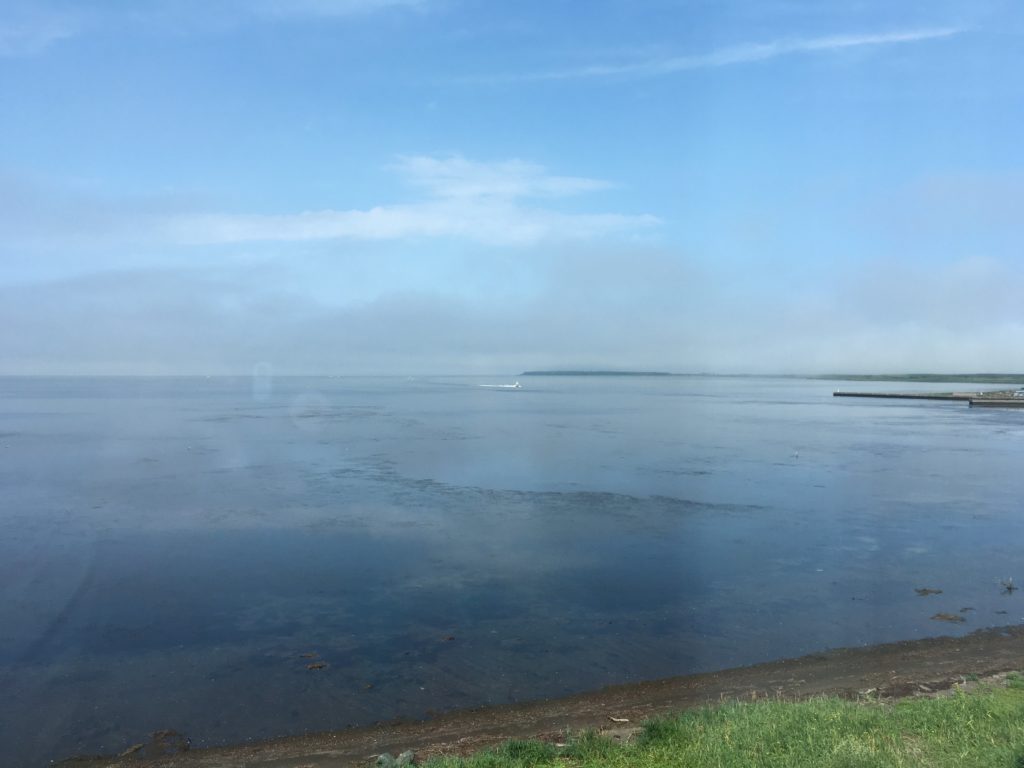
(175, 553)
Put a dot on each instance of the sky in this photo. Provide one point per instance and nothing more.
(466, 186)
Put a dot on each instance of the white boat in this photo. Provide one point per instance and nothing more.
(517, 385)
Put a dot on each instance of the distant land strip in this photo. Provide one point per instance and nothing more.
(962, 378)
(597, 373)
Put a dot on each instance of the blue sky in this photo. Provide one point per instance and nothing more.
(447, 186)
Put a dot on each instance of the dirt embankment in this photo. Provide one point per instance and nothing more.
(890, 670)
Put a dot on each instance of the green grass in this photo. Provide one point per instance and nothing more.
(984, 728)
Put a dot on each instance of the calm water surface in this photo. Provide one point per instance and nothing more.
(170, 548)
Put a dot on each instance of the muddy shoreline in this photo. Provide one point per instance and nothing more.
(889, 670)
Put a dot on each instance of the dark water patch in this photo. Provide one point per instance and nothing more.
(227, 418)
(172, 590)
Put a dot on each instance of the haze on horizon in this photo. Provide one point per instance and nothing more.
(449, 186)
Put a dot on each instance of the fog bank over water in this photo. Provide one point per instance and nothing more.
(642, 309)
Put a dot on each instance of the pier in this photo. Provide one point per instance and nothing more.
(992, 399)
(962, 396)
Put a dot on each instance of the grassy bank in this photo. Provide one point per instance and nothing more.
(984, 727)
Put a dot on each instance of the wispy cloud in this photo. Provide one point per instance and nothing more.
(329, 8)
(457, 177)
(29, 27)
(510, 202)
(27, 30)
(484, 202)
(737, 54)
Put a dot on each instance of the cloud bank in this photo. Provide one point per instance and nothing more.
(592, 307)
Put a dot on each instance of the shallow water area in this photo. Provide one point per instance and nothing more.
(176, 553)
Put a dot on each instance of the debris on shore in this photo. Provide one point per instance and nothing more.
(387, 760)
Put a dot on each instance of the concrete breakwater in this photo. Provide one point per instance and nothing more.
(964, 396)
(992, 399)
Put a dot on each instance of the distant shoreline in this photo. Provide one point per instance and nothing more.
(926, 378)
(602, 373)
(920, 378)
(952, 378)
